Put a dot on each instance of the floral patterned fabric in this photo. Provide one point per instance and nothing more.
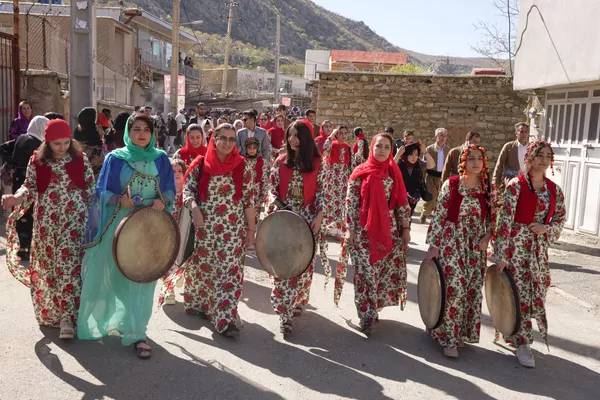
(526, 256)
(381, 284)
(176, 272)
(260, 189)
(463, 266)
(357, 158)
(288, 294)
(60, 216)
(214, 273)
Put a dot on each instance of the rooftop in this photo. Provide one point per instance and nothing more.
(371, 57)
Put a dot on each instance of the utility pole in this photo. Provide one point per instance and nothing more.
(15, 56)
(175, 57)
(277, 45)
(230, 5)
(82, 80)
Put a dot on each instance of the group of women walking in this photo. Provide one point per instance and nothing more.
(354, 187)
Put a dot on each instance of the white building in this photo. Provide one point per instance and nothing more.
(559, 51)
(316, 61)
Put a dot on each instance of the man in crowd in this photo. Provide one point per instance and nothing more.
(181, 120)
(453, 159)
(252, 130)
(200, 114)
(435, 156)
(512, 157)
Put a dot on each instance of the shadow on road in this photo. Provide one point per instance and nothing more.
(123, 377)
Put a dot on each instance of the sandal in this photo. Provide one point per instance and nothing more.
(143, 349)
(66, 330)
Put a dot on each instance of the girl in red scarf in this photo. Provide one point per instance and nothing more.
(58, 186)
(360, 149)
(378, 216)
(194, 145)
(218, 191)
(458, 237)
(530, 219)
(324, 132)
(338, 166)
(297, 180)
(277, 135)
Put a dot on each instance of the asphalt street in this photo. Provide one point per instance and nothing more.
(325, 358)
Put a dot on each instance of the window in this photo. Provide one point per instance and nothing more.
(594, 123)
(572, 117)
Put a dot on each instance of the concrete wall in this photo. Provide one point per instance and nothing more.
(43, 90)
(423, 103)
(315, 61)
(565, 49)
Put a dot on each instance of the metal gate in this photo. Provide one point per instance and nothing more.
(9, 84)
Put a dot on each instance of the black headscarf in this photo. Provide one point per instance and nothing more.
(86, 132)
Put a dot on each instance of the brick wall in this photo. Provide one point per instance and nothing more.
(422, 103)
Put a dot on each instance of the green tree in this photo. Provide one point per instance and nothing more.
(409, 69)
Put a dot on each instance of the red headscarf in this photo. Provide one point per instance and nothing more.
(359, 137)
(309, 179)
(374, 215)
(188, 152)
(212, 166)
(277, 135)
(320, 140)
(334, 153)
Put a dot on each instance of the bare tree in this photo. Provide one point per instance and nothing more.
(498, 40)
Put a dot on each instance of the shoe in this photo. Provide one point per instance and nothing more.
(170, 299)
(66, 330)
(232, 331)
(422, 219)
(525, 356)
(366, 326)
(297, 311)
(451, 352)
(142, 349)
(285, 328)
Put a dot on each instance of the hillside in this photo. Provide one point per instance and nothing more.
(304, 25)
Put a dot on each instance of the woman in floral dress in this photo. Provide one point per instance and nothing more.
(530, 219)
(260, 174)
(167, 294)
(458, 237)
(136, 175)
(297, 180)
(324, 132)
(377, 214)
(219, 192)
(337, 165)
(360, 149)
(58, 185)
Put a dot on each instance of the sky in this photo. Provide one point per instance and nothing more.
(436, 27)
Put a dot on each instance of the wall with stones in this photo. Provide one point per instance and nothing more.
(422, 103)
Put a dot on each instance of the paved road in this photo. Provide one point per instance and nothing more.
(326, 358)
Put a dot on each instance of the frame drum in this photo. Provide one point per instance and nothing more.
(285, 244)
(502, 300)
(431, 293)
(145, 244)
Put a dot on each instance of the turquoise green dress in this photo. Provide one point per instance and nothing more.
(110, 302)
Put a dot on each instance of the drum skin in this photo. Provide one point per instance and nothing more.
(431, 291)
(502, 301)
(285, 244)
(145, 244)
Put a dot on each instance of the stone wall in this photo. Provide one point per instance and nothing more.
(422, 103)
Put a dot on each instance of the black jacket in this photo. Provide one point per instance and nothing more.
(414, 182)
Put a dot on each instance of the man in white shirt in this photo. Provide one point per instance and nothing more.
(435, 156)
(181, 120)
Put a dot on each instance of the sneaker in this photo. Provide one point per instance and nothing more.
(170, 299)
(451, 352)
(66, 330)
(525, 356)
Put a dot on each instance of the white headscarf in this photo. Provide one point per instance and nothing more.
(238, 122)
(37, 126)
(203, 125)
